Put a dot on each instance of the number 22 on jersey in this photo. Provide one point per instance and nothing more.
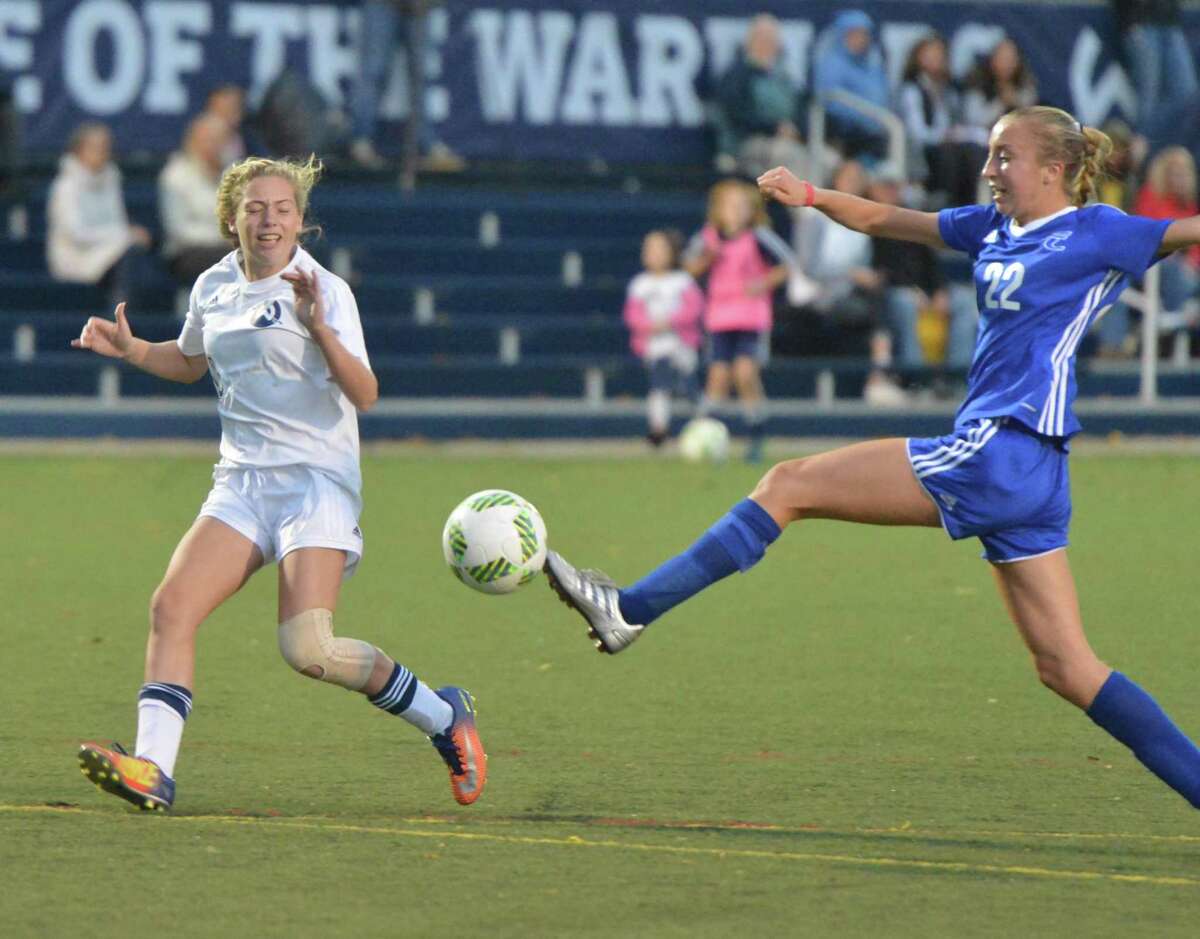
(1005, 279)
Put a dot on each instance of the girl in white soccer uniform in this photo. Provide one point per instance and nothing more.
(282, 340)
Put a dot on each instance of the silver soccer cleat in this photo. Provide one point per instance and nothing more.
(594, 596)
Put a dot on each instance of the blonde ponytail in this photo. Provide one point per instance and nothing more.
(1098, 148)
(1083, 151)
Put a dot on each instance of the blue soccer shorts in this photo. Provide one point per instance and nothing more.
(997, 480)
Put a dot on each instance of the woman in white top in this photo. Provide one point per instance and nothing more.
(89, 239)
(187, 190)
(282, 339)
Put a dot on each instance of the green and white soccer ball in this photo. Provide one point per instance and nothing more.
(704, 439)
(495, 541)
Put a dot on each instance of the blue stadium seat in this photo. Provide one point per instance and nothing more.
(53, 332)
(431, 257)
(138, 384)
(531, 257)
(600, 338)
(51, 375)
(476, 378)
(493, 297)
(388, 336)
(38, 291)
(26, 255)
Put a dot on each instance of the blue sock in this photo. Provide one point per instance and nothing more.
(736, 542)
(1134, 718)
(397, 694)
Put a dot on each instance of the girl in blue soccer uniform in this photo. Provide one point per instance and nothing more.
(1046, 265)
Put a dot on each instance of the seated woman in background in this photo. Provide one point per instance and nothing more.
(931, 109)
(1168, 193)
(89, 239)
(187, 192)
(838, 281)
(999, 83)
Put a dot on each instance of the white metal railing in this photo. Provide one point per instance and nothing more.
(897, 155)
(1149, 301)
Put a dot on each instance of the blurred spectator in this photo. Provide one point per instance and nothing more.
(1169, 192)
(1000, 82)
(662, 310)
(849, 60)
(187, 192)
(381, 21)
(1160, 64)
(913, 284)
(757, 108)
(228, 102)
(840, 284)
(931, 109)
(745, 261)
(1116, 188)
(89, 239)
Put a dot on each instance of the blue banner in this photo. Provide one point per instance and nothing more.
(618, 80)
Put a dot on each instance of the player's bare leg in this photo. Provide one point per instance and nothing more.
(1041, 599)
(1040, 595)
(309, 583)
(870, 482)
(867, 482)
(210, 564)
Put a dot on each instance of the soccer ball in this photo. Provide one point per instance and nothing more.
(704, 438)
(494, 541)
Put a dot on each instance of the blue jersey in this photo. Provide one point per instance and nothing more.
(1039, 288)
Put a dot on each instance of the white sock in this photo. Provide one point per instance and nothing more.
(428, 711)
(160, 731)
(658, 411)
(407, 696)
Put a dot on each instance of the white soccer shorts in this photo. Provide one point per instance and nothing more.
(284, 508)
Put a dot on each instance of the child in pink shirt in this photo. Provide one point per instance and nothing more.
(662, 310)
(745, 261)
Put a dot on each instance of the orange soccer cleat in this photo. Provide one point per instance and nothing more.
(134, 779)
(459, 746)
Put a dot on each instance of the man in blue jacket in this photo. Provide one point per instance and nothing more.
(849, 60)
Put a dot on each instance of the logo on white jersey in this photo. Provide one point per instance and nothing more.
(271, 314)
(1055, 242)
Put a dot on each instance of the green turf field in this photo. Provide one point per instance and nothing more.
(848, 741)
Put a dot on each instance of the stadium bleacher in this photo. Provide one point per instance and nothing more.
(466, 295)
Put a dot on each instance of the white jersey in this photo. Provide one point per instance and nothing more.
(662, 295)
(278, 402)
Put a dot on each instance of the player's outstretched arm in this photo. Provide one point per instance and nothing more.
(871, 218)
(1182, 233)
(115, 340)
(354, 378)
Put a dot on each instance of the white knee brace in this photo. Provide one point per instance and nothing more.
(307, 643)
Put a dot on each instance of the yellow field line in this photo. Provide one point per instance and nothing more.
(746, 827)
(574, 841)
(752, 827)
